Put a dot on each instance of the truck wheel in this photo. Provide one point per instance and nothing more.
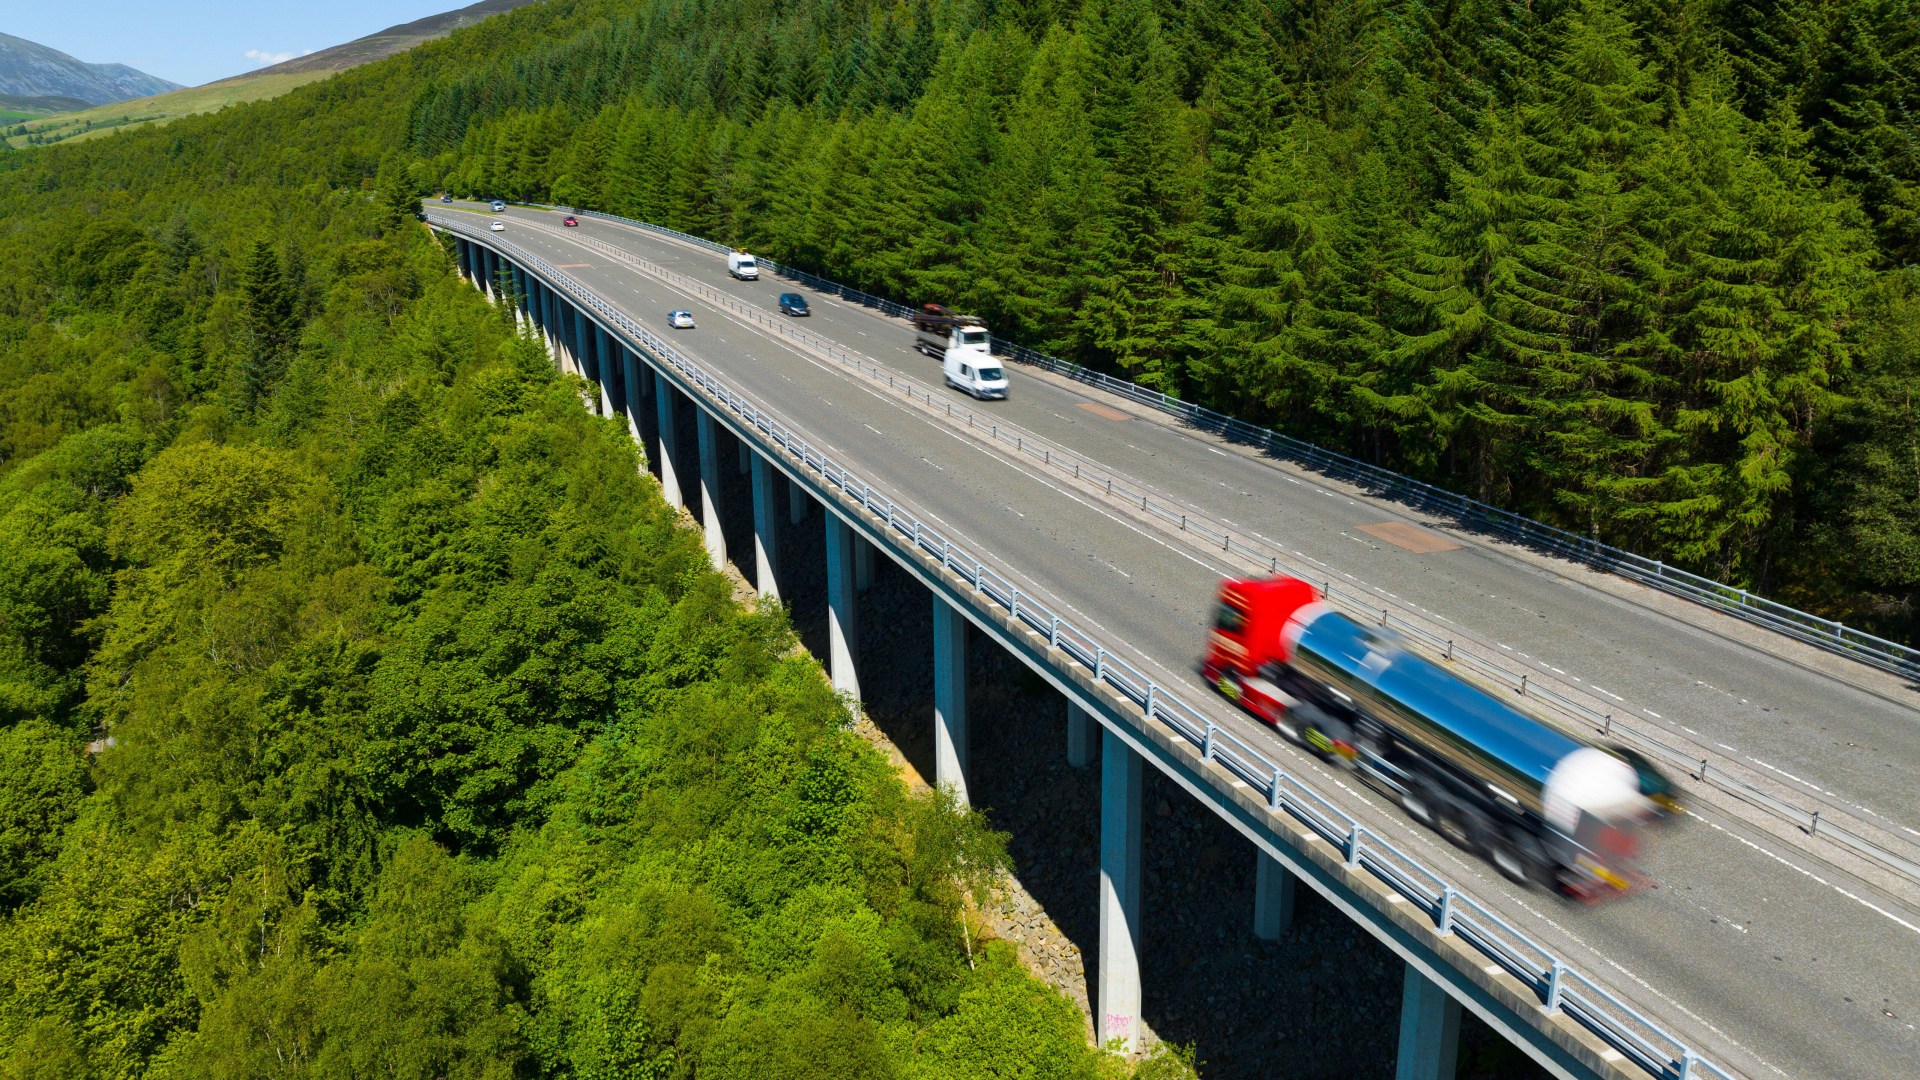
(1513, 864)
(1418, 800)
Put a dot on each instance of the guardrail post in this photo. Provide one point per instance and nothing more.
(843, 629)
(765, 540)
(710, 487)
(1555, 975)
(1429, 1030)
(1117, 998)
(1272, 897)
(949, 699)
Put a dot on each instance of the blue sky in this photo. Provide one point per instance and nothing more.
(197, 41)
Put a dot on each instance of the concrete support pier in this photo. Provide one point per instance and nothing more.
(862, 565)
(663, 395)
(1429, 1030)
(1272, 897)
(1117, 998)
(1083, 737)
(710, 488)
(949, 698)
(604, 366)
(765, 578)
(630, 382)
(797, 500)
(583, 350)
(746, 456)
(843, 629)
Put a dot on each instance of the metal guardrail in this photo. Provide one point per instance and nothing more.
(1559, 987)
(1825, 633)
(1366, 608)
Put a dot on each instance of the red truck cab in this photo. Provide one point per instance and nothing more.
(1247, 653)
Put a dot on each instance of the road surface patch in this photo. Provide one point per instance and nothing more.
(1103, 412)
(1412, 537)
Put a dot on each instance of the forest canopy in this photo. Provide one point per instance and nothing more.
(363, 708)
(360, 702)
(1644, 271)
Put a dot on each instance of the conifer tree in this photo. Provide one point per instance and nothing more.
(272, 326)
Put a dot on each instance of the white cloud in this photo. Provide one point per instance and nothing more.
(263, 57)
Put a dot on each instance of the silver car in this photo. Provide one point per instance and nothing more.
(680, 320)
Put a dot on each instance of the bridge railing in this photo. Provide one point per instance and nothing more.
(1264, 553)
(1827, 634)
(1560, 987)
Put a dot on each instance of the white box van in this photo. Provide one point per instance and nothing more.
(741, 265)
(978, 373)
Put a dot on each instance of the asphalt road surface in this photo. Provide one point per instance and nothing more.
(1758, 947)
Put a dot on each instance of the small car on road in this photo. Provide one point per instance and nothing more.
(680, 319)
(499, 207)
(570, 221)
(446, 198)
(498, 226)
(792, 303)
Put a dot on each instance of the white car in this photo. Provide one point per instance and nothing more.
(498, 226)
(680, 320)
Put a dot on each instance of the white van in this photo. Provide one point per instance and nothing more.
(978, 373)
(741, 265)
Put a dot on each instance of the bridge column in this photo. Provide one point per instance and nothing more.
(1272, 897)
(630, 382)
(486, 272)
(663, 395)
(797, 500)
(710, 487)
(746, 456)
(843, 629)
(765, 582)
(603, 351)
(569, 344)
(949, 698)
(1083, 736)
(556, 335)
(862, 564)
(1429, 1030)
(1118, 995)
(463, 257)
(583, 342)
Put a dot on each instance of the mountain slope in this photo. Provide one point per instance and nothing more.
(258, 85)
(30, 69)
(385, 43)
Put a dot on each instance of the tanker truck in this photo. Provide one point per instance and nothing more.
(1543, 806)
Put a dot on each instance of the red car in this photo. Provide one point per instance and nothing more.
(570, 221)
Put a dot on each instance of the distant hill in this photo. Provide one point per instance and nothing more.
(385, 43)
(20, 107)
(29, 69)
(253, 86)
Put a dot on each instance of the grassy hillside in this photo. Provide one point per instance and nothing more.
(160, 108)
(79, 121)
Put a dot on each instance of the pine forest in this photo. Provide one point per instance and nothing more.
(424, 743)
